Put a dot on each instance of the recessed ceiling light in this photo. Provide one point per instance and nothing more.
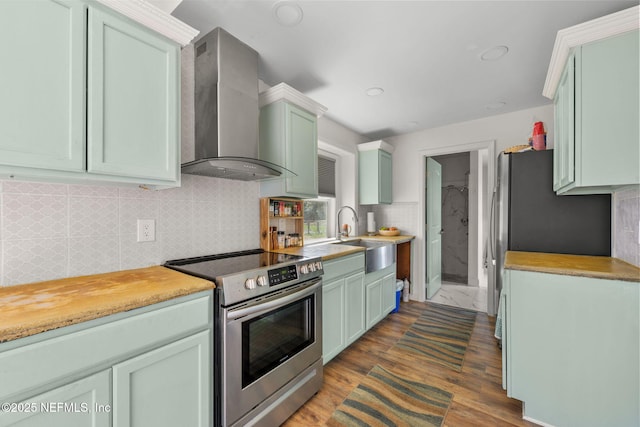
(494, 53)
(374, 91)
(287, 13)
(495, 105)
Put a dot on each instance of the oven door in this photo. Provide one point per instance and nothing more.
(267, 344)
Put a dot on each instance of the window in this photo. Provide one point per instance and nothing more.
(317, 212)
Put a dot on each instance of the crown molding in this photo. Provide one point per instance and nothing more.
(282, 91)
(380, 144)
(154, 18)
(587, 32)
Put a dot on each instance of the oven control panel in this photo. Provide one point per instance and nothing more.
(282, 275)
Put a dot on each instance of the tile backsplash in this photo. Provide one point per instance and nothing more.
(52, 231)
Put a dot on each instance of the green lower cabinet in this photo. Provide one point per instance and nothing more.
(374, 303)
(82, 403)
(165, 387)
(333, 312)
(380, 294)
(355, 322)
(353, 302)
(573, 348)
(150, 366)
(342, 304)
(388, 293)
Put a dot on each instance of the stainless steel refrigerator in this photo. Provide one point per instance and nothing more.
(529, 216)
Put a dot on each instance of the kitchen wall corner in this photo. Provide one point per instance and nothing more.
(50, 231)
(626, 225)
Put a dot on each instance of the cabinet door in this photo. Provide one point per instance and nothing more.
(375, 177)
(42, 85)
(574, 350)
(563, 154)
(133, 98)
(608, 114)
(354, 306)
(333, 311)
(388, 293)
(301, 152)
(82, 403)
(386, 177)
(374, 300)
(170, 386)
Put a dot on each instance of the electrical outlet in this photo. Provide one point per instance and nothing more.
(146, 230)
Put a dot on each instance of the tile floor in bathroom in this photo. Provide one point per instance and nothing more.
(457, 295)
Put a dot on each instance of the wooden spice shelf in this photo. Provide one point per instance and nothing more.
(292, 226)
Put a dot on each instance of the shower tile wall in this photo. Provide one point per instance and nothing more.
(455, 217)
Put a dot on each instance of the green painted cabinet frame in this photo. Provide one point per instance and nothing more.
(82, 403)
(99, 102)
(597, 115)
(42, 90)
(289, 138)
(380, 294)
(572, 348)
(343, 307)
(375, 174)
(152, 365)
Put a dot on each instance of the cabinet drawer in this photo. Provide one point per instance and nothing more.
(88, 347)
(343, 266)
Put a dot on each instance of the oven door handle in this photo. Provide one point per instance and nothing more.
(275, 303)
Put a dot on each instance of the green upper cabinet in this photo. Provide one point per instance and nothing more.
(133, 100)
(42, 99)
(289, 138)
(597, 138)
(375, 173)
(88, 95)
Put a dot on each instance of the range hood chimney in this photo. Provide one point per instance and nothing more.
(226, 111)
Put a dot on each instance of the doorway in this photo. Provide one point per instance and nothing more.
(472, 216)
(455, 217)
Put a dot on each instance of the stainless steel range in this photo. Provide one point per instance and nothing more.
(268, 333)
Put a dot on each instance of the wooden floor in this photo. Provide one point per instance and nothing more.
(478, 400)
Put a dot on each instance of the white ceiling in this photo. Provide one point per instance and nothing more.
(424, 54)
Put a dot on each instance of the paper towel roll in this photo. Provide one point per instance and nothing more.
(371, 223)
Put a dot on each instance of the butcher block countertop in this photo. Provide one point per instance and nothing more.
(598, 267)
(392, 239)
(331, 250)
(38, 307)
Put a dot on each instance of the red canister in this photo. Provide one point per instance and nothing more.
(539, 137)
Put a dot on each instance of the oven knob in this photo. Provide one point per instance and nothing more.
(319, 265)
(250, 283)
(304, 269)
(262, 281)
(312, 267)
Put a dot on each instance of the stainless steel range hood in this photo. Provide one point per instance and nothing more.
(226, 111)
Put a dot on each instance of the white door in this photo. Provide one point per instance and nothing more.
(433, 227)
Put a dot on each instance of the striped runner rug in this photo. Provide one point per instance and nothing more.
(441, 334)
(385, 399)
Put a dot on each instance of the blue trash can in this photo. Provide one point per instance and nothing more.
(399, 287)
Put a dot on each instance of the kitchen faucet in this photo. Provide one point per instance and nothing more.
(340, 234)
